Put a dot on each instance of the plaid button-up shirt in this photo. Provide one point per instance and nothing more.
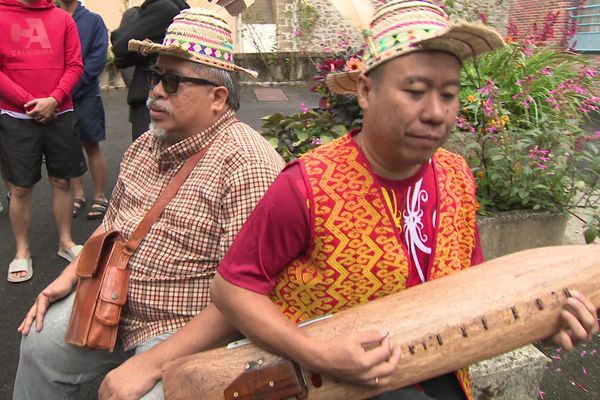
(171, 271)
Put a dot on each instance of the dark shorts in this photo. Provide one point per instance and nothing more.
(91, 120)
(23, 142)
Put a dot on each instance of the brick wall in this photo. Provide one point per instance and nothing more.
(525, 13)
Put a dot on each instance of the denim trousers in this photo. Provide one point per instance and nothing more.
(51, 369)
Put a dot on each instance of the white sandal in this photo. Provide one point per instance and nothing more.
(20, 265)
(70, 254)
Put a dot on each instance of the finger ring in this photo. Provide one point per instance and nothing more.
(376, 380)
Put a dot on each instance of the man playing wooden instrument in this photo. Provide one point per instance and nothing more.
(372, 213)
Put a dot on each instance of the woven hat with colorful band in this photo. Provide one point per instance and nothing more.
(400, 27)
(196, 34)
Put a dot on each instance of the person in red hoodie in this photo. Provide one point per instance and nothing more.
(40, 63)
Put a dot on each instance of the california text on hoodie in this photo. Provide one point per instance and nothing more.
(40, 54)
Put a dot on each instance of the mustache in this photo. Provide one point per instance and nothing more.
(154, 104)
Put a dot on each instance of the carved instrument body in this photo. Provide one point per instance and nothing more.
(441, 326)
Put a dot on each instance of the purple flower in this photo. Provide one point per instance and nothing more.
(597, 134)
(578, 89)
(539, 157)
(589, 73)
(547, 71)
(488, 89)
(488, 107)
(303, 108)
(316, 141)
(590, 104)
(464, 125)
(552, 102)
(527, 101)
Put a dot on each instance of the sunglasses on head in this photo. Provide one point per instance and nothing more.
(171, 81)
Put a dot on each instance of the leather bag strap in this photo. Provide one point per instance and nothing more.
(161, 202)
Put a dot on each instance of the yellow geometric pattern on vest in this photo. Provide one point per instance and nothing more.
(457, 214)
(356, 256)
(464, 378)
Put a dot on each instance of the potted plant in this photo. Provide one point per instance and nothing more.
(520, 129)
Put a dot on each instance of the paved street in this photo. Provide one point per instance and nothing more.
(17, 298)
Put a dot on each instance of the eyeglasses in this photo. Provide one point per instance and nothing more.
(171, 81)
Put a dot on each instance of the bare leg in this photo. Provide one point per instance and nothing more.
(97, 165)
(62, 206)
(77, 185)
(20, 220)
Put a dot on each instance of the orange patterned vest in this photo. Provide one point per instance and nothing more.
(355, 253)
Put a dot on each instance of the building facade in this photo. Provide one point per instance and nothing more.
(579, 20)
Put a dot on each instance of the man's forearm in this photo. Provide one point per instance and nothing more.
(205, 331)
(12, 92)
(251, 312)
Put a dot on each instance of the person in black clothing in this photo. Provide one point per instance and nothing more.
(128, 16)
(152, 20)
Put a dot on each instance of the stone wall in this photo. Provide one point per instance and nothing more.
(495, 11)
(329, 33)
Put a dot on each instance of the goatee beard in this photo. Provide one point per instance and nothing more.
(159, 133)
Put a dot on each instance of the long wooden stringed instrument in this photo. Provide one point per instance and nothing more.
(441, 326)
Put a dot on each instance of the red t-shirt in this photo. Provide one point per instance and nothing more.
(279, 229)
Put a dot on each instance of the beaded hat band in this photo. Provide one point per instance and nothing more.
(400, 27)
(198, 35)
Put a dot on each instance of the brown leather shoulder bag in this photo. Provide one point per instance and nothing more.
(103, 277)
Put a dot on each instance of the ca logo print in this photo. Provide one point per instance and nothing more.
(35, 33)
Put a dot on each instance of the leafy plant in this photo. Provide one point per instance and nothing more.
(295, 134)
(520, 127)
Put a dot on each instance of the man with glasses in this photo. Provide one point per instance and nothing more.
(192, 103)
